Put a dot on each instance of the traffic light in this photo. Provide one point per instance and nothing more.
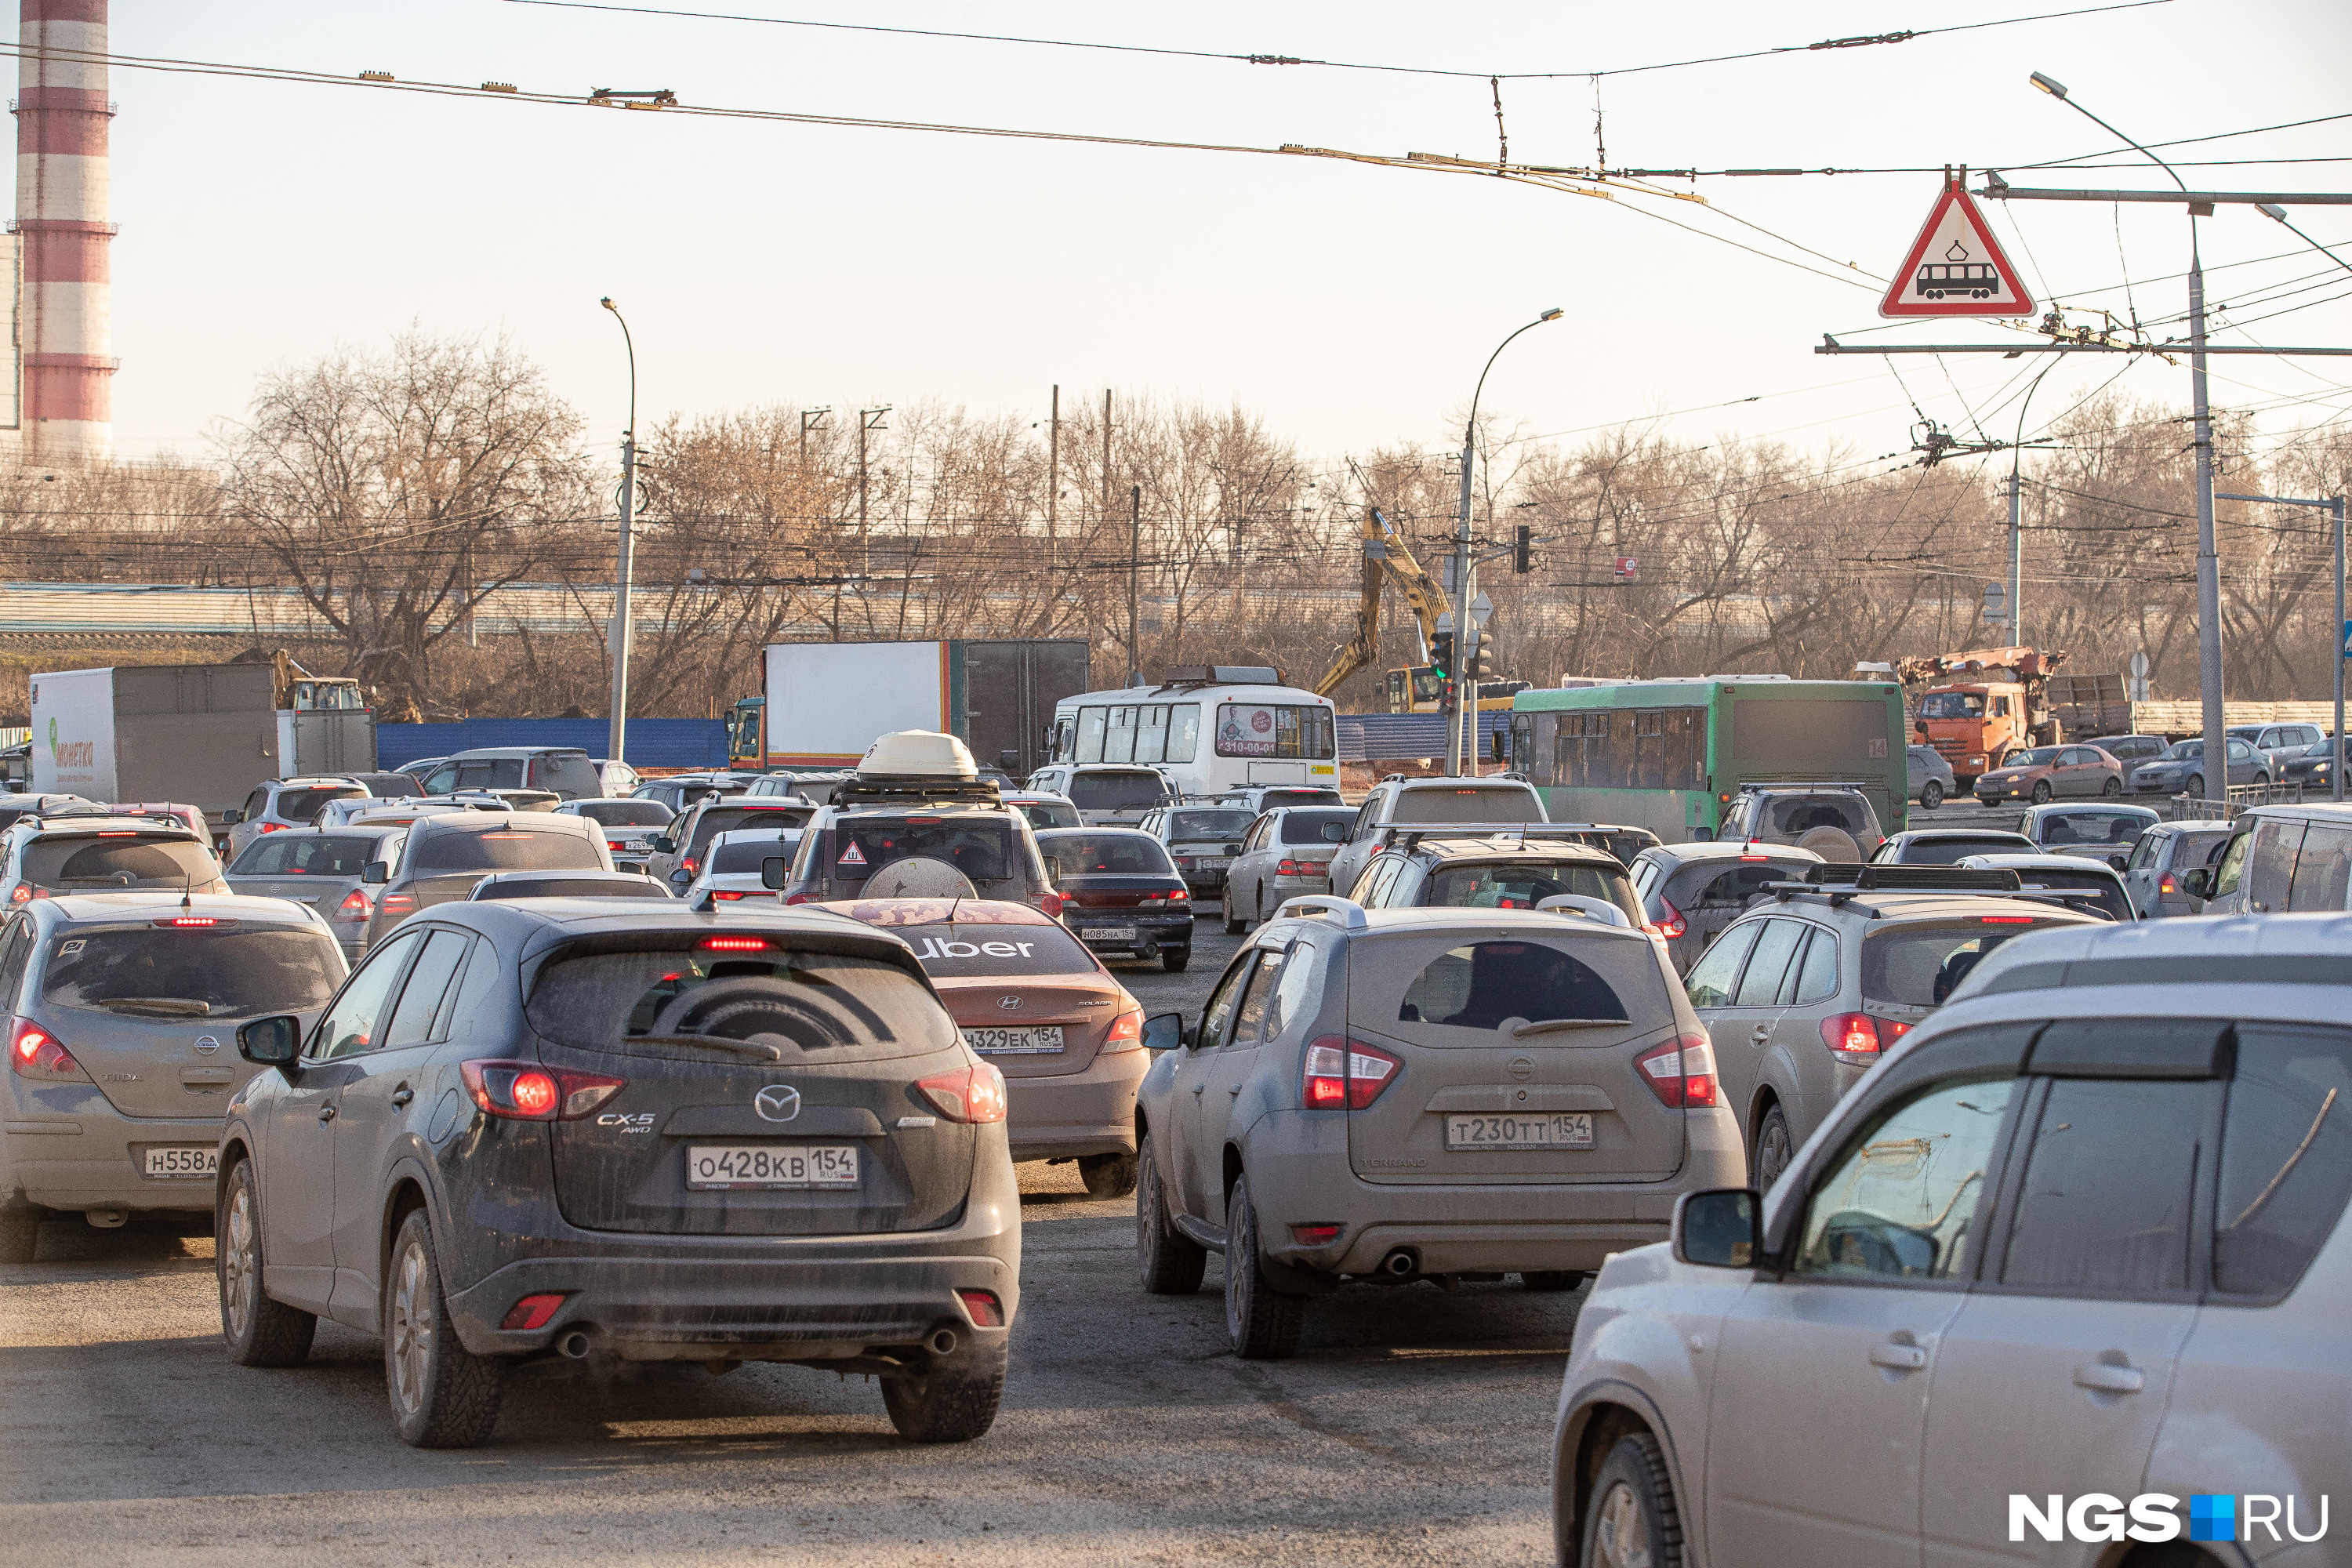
(1473, 644)
(1440, 654)
(1523, 540)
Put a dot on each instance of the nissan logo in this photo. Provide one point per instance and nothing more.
(777, 1103)
(206, 1045)
(1008, 1004)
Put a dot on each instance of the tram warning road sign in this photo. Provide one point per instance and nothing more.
(1955, 267)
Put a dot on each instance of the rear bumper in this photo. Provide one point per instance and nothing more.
(1152, 931)
(1086, 1112)
(93, 1162)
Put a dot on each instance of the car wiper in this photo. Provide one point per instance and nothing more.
(716, 1042)
(1547, 1026)
(177, 1006)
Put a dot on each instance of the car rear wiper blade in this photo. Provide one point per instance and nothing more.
(716, 1042)
(1546, 1025)
(178, 1006)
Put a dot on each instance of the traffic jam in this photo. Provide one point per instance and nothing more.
(2000, 1153)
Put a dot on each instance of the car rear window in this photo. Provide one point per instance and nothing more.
(195, 971)
(1483, 984)
(302, 804)
(2119, 829)
(1467, 803)
(1184, 825)
(735, 987)
(1519, 884)
(1918, 964)
(94, 864)
(2286, 1157)
(1317, 827)
(1049, 813)
(1802, 814)
(388, 785)
(506, 849)
(1118, 791)
(2113, 902)
(751, 854)
(986, 849)
(975, 952)
(1271, 798)
(568, 773)
(633, 887)
(1952, 851)
(718, 819)
(1105, 855)
(627, 812)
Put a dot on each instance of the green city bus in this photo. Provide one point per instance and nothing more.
(1668, 755)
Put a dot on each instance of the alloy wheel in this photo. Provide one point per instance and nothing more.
(411, 1330)
(1620, 1537)
(237, 1262)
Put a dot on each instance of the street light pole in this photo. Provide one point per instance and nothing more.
(621, 627)
(2333, 504)
(1464, 570)
(2208, 558)
(2016, 523)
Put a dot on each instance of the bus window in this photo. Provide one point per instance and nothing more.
(1262, 730)
(1090, 733)
(1152, 735)
(1183, 732)
(1119, 742)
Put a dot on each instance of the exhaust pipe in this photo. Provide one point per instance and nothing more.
(942, 1342)
(574, 1346)
(1400, 1263)
(107, 1220)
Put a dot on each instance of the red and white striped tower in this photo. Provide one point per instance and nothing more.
(61, 206)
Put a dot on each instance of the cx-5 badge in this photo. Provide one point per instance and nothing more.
(777, 1103)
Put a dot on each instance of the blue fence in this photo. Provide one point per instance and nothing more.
(1372, 737)
(652, 742)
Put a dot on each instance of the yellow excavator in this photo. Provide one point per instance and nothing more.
(1416, 688)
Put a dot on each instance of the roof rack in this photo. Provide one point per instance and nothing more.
(909, 789)
(1518, 834)
(1841, 882)
(1746, 784)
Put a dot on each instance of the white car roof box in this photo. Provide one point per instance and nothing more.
(918, 754)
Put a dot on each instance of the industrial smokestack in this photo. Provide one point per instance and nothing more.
(61, 215)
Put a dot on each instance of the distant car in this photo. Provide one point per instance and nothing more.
(618, 778)
(1107, 795)
(2182, 769)
(2279, 859)
(1202, 840)
(1930, 777)
(2130, 750)
(1120, 892)
(1434, 869)
(418, 769)
(799, 783)
(915, 820)
(2066, 874)
(441, 857)
(47, 857)
(1690, 892)
(734, 866)
(1399, 804)
(679, 791)
(324, 869)
(277, 805)
(564, 770)
(2277, 743)
(2045, 773)
(17, 805)
(630, 827)
(2314, 767)
(1949, 846)
(390, 785)
(1042, 809)
(508, 799)
(1257, 799)
(1837, 823)
(675, 856)
(567, 885)
(2162, 856)
(358, 808)
(2099, 832)
(117, 1080)
(1035, 1002)
(1287, 852)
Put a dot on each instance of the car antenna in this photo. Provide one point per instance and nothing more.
(188, 892)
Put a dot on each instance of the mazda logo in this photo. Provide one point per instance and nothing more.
(777, 1103)
(1008, 1004)
(206, 1045)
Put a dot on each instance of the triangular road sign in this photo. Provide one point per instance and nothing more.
(1955, 267)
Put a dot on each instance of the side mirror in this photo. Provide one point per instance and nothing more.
(270, 1042)
(376, 873)
(1163, 1031)
(1722, 1228)
(2198, 883)
(773, 872)
(664, 844)
(231, 818)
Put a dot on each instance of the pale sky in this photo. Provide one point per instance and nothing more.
(264, 223)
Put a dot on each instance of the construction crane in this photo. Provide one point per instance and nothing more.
(1386, 559)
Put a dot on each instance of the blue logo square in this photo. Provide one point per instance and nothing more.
(2213, 1516)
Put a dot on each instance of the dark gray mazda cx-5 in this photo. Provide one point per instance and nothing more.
(584, 1129)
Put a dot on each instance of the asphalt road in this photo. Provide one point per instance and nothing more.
(1413, 1427)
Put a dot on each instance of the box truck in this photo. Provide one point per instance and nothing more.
(823, 703)
(202, 734)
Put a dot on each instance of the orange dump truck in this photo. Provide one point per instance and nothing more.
(1976, 708)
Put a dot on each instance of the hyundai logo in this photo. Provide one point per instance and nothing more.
(1008, 1004)
(777, 1103)
(206, 1045)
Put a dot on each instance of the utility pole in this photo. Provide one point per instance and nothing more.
(617, 732)
(1134, 555)
(1054, 480)
(1106, 463)
(867, 419)
(810, 419)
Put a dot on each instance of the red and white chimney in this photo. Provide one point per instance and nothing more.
(61, 208)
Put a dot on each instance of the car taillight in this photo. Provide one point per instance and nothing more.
(1857, 1036)
(2007, 920)
(194, 920)
(802, 899)
(1345, 1072)
(1681, 1073)
(34, 1052)
(733, 944)
(265, 827)
(1316, 1235)
(974, 1093)
(2165, 887)
(1050, 905)
(1125, 1032)
(399, 904)
(724, 896)
(525, 1091)
(532, 1312)
(614, 844)
(1289, 867)
(688, 866)
(354, 905)
(987, 1311)
(1673, 925)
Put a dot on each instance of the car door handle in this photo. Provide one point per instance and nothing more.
(326, 1114)
(403, 1095)
(1236, 1092)
(1198, 1090)
(2102, 1377)
(1898, 1358)
(1762, 1032)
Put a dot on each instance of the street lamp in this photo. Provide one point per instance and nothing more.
(1465, 578)
(2209, 559)
(621, 628)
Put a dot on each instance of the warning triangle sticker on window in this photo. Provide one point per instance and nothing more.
(1955, 267)
(850, 857)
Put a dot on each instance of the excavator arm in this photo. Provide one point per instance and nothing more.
(1386, 558)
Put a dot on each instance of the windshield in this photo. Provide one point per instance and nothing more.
(625, 813)
(2040, 757)
(505, 849)
(1316, 827)
(751, 854)
(1469, 802)
(1952, 705)
(193, 972)
(302, 804)
(1049, 813)
(568, 773)
(983, 848)
(129, 861)
(1104, 855)
(1952, 851)
(1117, 791)
(2183, 749)
(718, 819)
(2118, 829)
(977, 952)
(1919, 965)
(1519, 885)
(1190, 824)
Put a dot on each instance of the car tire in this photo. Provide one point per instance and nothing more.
(2041, 795)
(1262, 1322)
(948, 1399)
(1170, 1263)
(1772, 1150)
(2262, 781)
(1550, 1279)
(1174, 959)
(1225, 903)
(1630, 1517)
(20, 1235)
(257, 1331)
(1931, 795)
(1107, 1175)
(2195, 788)
(2112, 786)
(443, 1394)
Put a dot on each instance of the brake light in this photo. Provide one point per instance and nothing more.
(1345, 1072)
(1289, 867)
(399, 903)
(532, 1312)
(733, 944)
(355, 904)
(722, 896)
(2163, 886)
(2006, 920)
(34, 1052)
(973, 1093)
(1048, 904)
(802, 899)
(1673, 925)
(1316, 1235)
(687, 865)
(194, 920)
(525, 1091)
(265, 827)
(1125, 1032)
(1681, 1073)
(1754, 859)
(116, 833)
(1180, 895)
(987, 1311)
(614, 844)
(1856, 1037)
